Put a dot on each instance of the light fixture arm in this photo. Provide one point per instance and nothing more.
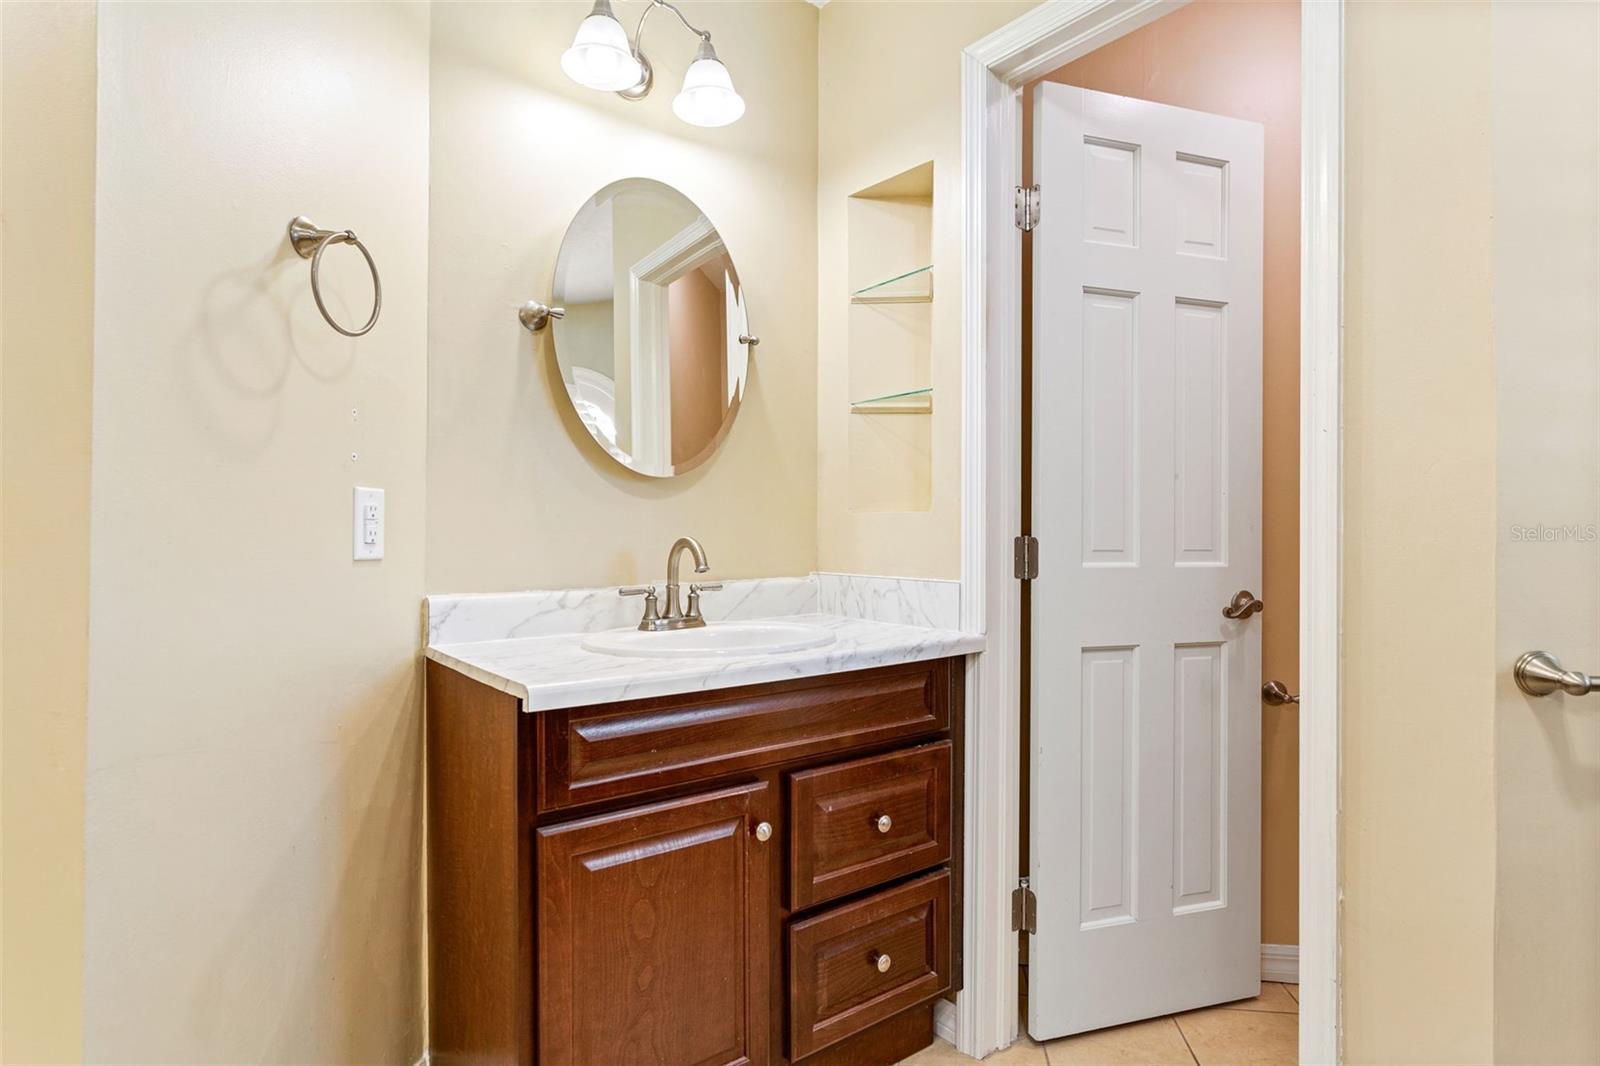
(647, 77)
(638, 33)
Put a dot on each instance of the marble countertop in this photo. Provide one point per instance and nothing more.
(552, 671)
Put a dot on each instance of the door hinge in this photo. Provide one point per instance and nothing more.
(1027, 207)
(1024, 908)
(1025, 558)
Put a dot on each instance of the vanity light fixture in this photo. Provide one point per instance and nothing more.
(601, 57)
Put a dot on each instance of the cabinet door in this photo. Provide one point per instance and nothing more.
(653, 934)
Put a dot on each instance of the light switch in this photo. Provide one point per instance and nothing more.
(368, 523)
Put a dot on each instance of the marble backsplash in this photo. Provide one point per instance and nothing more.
(542, 613)
(460, 619)
(907, 601)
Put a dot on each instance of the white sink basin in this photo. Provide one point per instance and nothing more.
(719, 640)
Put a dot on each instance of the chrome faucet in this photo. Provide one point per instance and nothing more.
(676, 617)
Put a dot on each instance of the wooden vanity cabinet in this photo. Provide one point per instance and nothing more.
(762, 875)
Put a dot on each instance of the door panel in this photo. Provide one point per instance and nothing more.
(1546, 267)
(653, 945)
(1145, 846)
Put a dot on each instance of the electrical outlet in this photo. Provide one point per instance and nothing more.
(368, 523)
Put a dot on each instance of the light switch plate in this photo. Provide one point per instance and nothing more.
(368, 524)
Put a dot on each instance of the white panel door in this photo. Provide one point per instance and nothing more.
(1146, 731)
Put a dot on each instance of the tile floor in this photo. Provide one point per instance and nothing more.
(1258, 1032)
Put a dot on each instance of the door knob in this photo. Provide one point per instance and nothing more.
(764, 832)
(1538, 673)
(1277, 694)
(1243, 605)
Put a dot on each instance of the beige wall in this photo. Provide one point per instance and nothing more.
(251, 817)
(1243, 60)
(47, 145)
(252, 826)
(889, 85)
(1418, 837)
(1545, 64)
(252, 833)
(516, 148)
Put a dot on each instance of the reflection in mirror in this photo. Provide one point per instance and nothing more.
(650, 349)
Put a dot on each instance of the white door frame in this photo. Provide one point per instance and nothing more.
(650, 344)
(993, 72)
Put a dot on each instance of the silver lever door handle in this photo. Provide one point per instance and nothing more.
(1243, 605)
(1276, 693)
(1538, 673)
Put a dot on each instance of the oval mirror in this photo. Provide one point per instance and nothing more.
(652, 345)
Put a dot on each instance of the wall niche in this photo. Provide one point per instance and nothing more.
(890, 247)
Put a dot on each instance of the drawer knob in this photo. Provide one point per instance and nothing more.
(764, 832)
(882, 961)
(884, 823)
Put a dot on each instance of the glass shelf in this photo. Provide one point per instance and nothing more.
(914, 402)
(912, 287)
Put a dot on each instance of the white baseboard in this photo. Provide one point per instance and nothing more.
(1280, 962)
(944, 1020)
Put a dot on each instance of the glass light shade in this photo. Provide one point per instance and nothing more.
(707, 98)
(600, 57)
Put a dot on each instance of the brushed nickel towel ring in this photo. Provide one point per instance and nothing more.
(310, 242)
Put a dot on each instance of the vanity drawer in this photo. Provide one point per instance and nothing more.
(857, 964)
(861, 823)
(598, 753)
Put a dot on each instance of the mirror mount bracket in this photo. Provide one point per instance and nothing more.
(535, 316)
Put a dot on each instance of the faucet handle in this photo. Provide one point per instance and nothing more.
(651, 611)
(694, 596)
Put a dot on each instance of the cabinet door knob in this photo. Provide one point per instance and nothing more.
(882, 961)
(884, 823)
(764, 831)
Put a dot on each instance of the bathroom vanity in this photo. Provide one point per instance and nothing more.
(731, 859)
